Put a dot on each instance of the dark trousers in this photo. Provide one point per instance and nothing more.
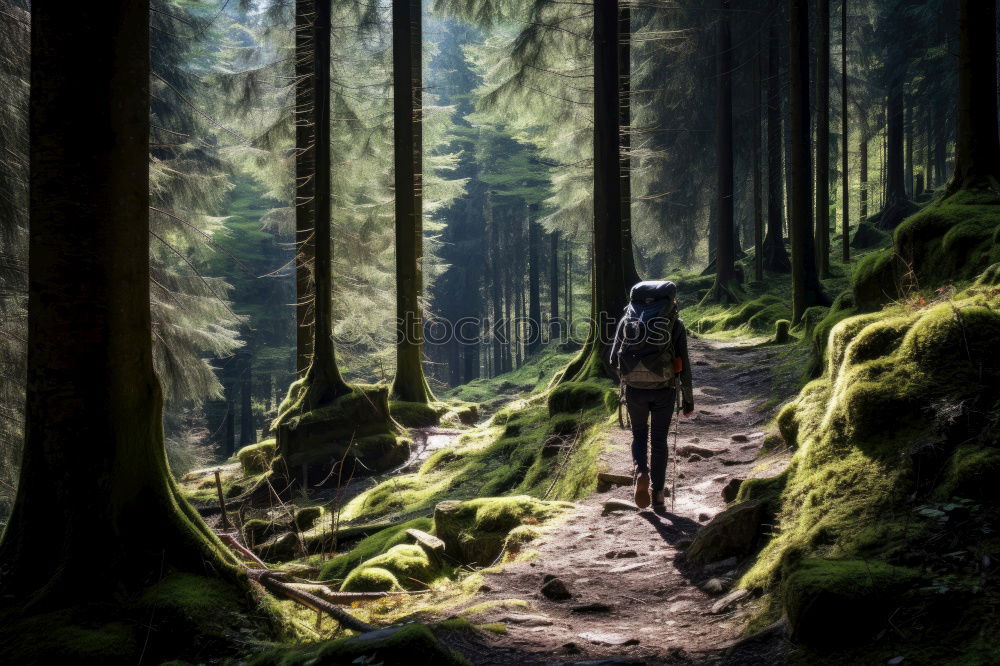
(650, 411)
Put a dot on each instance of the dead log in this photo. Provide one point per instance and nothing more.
(269, 581)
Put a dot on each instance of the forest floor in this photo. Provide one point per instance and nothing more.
(632, 598)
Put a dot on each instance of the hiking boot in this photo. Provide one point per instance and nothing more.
(660, 499)
(641, 490)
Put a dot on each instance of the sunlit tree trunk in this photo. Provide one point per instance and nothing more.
(305, 169)
(823, 138)
(863, 169)
(97, 516)
(407, 110)
(775, 255)
(630, 274)
(609, 289)
(323, 379)
(977, 152)
(806, 289)
(845, 206)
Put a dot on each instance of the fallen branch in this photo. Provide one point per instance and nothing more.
(335, 597)
(269, 581)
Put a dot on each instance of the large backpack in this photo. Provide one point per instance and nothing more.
(645, 358)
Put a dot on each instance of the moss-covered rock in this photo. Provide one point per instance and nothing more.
(733, 533)
(842, 602)
(400, 567)
(474, 532)
(306, 517)
(370, 547)
(574, 397)
(356, 428)
(781, 336)
(256, 458)
(417, 414)
(972, 473)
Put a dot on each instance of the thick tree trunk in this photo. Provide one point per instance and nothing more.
(845, 206)
(608, 293)
(758, 213)
(555, 329)
(407, 110)
(323, 380)
(823, 138)
(806, 289)
(775, 256)
(305, 170)
(977, 151)
(534, 332)
(630, 274)
(97, 517)
(725, 233)
(897, 204)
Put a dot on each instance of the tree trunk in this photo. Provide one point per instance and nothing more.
(806, 289)
(845, 213)
(908, 140)
(775, 256)
(305, 169)
(823, 138)
(863, 170)
(977, 151)
(928, 147)
(554, 323)
(534, 332)
(323, 380)
(897, 204)
(758, 213)
(98, 517)
(608, 294)
(407, 111)
(724, 236)
(248, 429)
(630, 274)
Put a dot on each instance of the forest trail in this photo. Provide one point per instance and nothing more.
(631, 597)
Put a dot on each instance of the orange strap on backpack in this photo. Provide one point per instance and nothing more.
(678, 364)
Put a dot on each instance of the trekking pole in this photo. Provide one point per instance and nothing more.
(677, 418)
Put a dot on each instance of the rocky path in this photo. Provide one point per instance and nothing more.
(627, 596)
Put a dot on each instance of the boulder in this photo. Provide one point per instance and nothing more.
(555, 589)
(731, 490)
(733, 533)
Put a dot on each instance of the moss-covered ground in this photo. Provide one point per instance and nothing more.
(883, 528)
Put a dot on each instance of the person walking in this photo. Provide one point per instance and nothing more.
(650, 355)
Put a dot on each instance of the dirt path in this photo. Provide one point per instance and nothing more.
(631, 597)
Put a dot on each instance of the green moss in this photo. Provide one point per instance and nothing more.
(838, 602)
(402, 566)
(972, 473)
(475, 531)
(256, 458)
(577, 396)
(416, 414)
(68, 637)
(781, 336)
(370, 547)
(413, 644)
(306, 517)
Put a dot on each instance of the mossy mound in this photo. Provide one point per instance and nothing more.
(416, 414)
(216, 619)
(475, 531)
(580, 396)
(401, 567)
(414, 644)
(355, 428)
(532, 376)
(256, 458)
(306, 517)
(903, 416)
(758, 315)
(370, 547)
(843, 602)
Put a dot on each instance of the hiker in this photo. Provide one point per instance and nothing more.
(651, 358)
